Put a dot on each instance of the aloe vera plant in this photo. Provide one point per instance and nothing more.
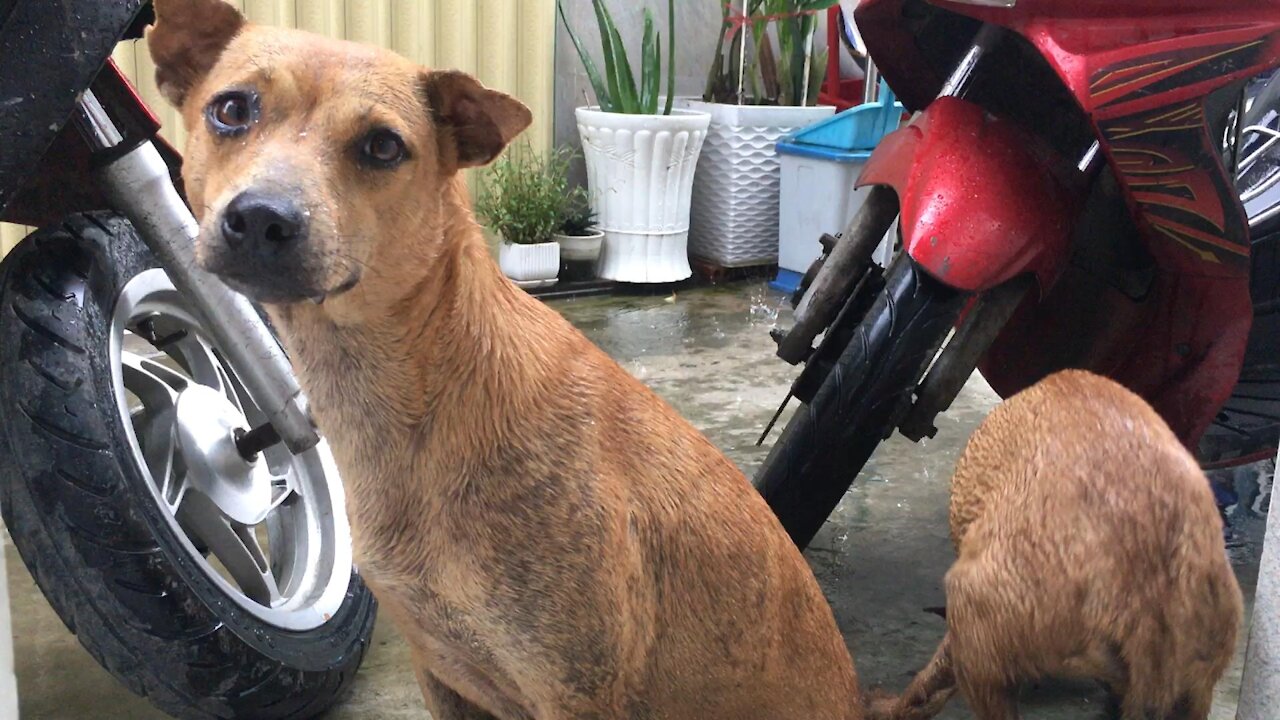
(617, 89)
(790, 76)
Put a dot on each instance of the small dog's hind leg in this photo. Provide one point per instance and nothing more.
(990, 701)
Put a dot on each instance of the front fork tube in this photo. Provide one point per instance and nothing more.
(138, 184)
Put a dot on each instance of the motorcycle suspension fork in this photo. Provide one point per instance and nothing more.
(842, 267)
(138, 184)
(840, 271)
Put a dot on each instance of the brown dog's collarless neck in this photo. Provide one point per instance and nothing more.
(461, 328)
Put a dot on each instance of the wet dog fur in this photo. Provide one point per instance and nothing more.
(550, 537)
(1089, 547)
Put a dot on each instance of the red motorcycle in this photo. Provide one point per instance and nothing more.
(1067, 198)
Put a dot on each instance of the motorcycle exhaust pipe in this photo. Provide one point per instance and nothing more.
(138, 184)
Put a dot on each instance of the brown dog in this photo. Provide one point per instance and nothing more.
(1090, 547)
(550, 537)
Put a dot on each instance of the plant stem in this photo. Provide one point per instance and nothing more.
(742, 54)
(671, 57)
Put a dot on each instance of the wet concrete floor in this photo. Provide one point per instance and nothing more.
(880, 559)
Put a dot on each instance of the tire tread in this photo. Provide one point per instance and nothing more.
(66, 498)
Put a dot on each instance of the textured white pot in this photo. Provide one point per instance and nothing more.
(530, 263)
(734, 222)
(640, 175)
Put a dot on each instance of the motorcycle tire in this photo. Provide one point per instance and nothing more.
(75, 501)
(828, 440)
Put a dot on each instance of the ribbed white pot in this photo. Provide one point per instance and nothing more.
(530, 263)
(640, 175)
(734, 221)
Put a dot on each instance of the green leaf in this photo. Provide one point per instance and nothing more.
(593, 73)
(650, 72)
(606, 46)
(812, 5)
(630, 99)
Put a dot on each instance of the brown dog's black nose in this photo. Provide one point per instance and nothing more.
(263, 219)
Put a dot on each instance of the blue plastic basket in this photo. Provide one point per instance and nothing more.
(858, 128)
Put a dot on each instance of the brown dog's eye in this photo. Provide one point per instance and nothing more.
(383, 149)
(232, 113)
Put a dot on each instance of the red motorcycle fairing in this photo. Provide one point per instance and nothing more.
(981, 200)
(1141, 71)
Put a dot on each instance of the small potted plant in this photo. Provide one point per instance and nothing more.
(763, 83)
(521, 198)
(641, 154)
(579, 238)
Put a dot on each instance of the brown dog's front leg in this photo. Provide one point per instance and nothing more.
(444, 703)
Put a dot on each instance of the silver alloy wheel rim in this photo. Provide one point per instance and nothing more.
(174, 390)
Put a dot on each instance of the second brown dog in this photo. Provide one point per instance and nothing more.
(1089, 547)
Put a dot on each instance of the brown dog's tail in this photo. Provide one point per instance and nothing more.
(928, 692)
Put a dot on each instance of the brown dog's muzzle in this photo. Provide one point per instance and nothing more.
(262, 248)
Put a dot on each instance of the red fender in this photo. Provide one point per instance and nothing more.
(981, 199)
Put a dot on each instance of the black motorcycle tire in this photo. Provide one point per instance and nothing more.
(828, 440)
(75, 502)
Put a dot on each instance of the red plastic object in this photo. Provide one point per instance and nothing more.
(837, 91)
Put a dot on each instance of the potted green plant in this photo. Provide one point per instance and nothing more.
(579, 237)
(763, 83)
(521, 197)
(641, 154)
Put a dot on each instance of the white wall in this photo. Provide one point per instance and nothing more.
(8, 683)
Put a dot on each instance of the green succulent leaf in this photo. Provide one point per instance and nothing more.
(598, 84)
(650, 71)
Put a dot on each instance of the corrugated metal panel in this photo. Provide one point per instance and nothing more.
(10, 235)
(508, 44)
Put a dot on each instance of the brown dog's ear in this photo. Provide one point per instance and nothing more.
(186, 41)
(474, 122)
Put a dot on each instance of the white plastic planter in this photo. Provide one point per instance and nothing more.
(580, 248)
(640, 175)
(579, 255)
(530, 266)
(734, 222)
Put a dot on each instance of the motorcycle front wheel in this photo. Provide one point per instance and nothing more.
(214, 585)
(860, 402)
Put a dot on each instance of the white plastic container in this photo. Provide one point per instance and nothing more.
(735, 196)
(817, 197)
(640, 177)
(820, 166)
